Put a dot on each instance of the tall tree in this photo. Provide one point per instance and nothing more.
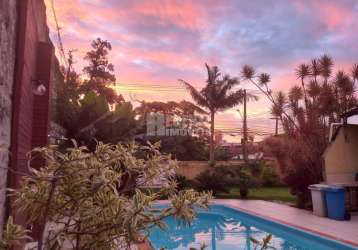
(218, 95)
(82, 106)
(67, 98)
(299, 151)
(303, 71)
(100, 71)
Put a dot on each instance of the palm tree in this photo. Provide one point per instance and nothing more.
(278, 106)
(345, 91)
(355, 72)
(315, 69)
(295, 95)
(303, 71)
(313, 90)
(325, 65)
(216, 96)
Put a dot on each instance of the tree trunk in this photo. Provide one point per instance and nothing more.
(212, 130)
(304, 93)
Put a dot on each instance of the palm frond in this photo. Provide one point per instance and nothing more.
(355, 72)
(248, 72)
(280, 102)
(264, 79)
(295, 94)
(213, 73)
(313, 89)
(191, 106)
(326, 64)
(303, 71)
(344, 83)
(231, 100)
(226, 84)
(195, 94)
(315, 68)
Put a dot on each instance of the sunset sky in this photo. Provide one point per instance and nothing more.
(157, 42)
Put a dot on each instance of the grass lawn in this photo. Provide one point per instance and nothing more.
(262, 193)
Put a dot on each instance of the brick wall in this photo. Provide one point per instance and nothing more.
(7, 63)
(34, 62)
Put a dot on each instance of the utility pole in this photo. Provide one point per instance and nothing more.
(244, 141)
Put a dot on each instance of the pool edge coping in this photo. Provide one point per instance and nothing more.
(275, 220)
(266, 217)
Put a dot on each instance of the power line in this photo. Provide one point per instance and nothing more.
(131, 86)
(59, 38)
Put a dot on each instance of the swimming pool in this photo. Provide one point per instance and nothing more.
(223, 228)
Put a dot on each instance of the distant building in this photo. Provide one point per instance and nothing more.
(236, 150)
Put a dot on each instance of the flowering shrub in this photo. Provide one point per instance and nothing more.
(91, 200)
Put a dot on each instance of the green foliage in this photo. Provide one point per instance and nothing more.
(183, 182)
(269, 177)
(217, 96)
(92, 106)
(262, 193)
(256, 167)
(119, 126)
(243, 182)
(12, 235)
(221, 179)
(185, 115)
(82, 106)
(214, 181)
(222, 154)
(298, 163)
(100, 71)
(92, 200)
(306, 111)
(184, 148)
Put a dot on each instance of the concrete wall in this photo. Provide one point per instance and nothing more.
(8, 14)
(341, 156)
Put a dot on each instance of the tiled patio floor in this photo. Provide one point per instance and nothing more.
(345, 231)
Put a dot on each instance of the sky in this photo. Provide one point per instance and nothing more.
(157, 42)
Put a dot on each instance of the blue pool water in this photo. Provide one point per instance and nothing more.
(223, 228)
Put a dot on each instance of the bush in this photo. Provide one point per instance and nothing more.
(300, 164)
(222, 179)
(97, 195)
(222, 154)
(269, 177)
(256, 167)
(183, 182)
(213, 180)
(244, 178)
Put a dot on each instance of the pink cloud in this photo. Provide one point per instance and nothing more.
(185, 14)
(159, 41)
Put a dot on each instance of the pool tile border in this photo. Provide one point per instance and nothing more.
(329, 236)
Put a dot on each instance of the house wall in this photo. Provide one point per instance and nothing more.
(30, 113)
(341, 156)
(8, 15)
